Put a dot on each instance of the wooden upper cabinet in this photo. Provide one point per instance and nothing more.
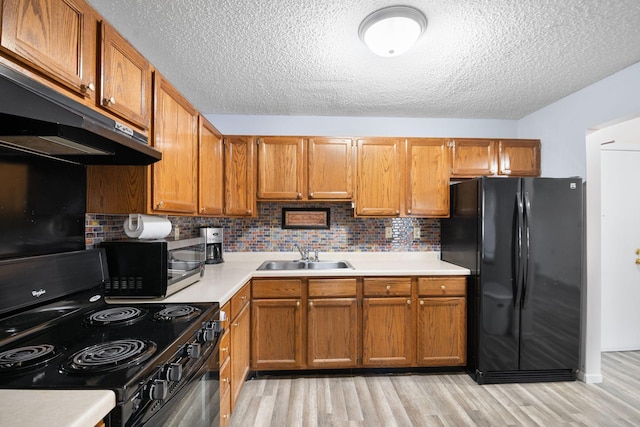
(175, 133)
(210, 169)
(519, 157)
(473, 157)
(427, 177)
(330, 168)
(239, 176)
(485, 157)
(378, 177)
(125, 83)
(56, 37)
(281, 171)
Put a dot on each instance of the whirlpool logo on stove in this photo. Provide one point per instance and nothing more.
(39, 293)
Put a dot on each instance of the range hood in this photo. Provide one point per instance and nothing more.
(35, 119)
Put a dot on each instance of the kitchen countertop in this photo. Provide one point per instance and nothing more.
(221, 281)
(82, 408)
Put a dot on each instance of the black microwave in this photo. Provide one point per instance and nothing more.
(153, 268)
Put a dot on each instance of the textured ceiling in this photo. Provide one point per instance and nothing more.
(477, 59)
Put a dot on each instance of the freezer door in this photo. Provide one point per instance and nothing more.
(498, 313)
(550, 315)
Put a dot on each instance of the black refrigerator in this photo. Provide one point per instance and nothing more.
(522, 239)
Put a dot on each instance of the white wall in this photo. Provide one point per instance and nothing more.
(562, 126)
(362, 126)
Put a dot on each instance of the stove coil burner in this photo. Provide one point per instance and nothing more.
(176, 313)
(110, 356)
(32, 356)
(116, 316)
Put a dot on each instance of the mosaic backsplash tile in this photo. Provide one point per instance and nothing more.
(265, 234)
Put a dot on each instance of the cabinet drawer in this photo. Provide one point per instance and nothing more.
(225, 346)
(391, 286)
(332, 288)
(225, 377)
(442, 286)
(239, 300)
(277, 288)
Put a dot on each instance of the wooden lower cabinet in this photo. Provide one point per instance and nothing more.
(387, 332)
(371, 322)
(442, 321)
(277, 334)
(240, 354)
(225, 393)
(332, 333)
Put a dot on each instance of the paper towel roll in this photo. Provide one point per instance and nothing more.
(139, 226)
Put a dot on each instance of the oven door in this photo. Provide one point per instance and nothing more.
(198, 403)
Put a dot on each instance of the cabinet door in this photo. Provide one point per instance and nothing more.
(387, 336)
(125, 84)
(57, 37)
(332, 332)
(277, 334)
(519, 157)
(175, 134)
(442, 333)
(427, 178)
(240, 352)
(330, 171)
(472, 157)
(239, 176)
(281, 168)
(210, 170)
(379, 177)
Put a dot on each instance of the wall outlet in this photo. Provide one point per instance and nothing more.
(388, 233)
(416, 233)
(176, 233)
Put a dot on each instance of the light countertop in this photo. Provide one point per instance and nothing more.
(221, 281)
(82, 408)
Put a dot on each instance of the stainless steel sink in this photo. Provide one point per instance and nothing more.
(304, 265)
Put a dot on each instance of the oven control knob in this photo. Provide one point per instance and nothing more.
(158, 390)
(173, 372)
(207, 334)
(193, 350)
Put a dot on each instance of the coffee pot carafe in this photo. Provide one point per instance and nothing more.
(213, 240)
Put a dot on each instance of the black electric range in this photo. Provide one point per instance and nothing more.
(57, 332)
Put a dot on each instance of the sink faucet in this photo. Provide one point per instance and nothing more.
(304, 255)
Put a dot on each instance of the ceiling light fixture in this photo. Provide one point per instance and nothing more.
(393, 30)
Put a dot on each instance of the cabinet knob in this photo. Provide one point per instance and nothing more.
(159, 204)
(297, 303)
(409, 211)
(236, 324)
(299, 195)
(108, 101)
(310, 303)
(443, 287)
(224, 349)
(388, 287)
(225, 416)
(203, 210)
(311, 195)
(89, 87)
(421, 302)
(409, 301)
(225, 380)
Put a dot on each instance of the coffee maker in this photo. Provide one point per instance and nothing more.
(213, 241)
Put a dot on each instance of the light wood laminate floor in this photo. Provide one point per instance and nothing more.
(443, 400)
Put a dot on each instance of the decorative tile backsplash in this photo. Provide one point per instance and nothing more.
(265, 234)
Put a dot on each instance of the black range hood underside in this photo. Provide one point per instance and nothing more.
(35, 119)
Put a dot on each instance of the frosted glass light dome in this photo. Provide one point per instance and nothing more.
(393, 30)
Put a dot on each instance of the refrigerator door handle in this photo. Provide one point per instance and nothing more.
(525, 276)
(517, 256)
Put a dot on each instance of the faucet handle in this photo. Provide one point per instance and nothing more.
(315, 258)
